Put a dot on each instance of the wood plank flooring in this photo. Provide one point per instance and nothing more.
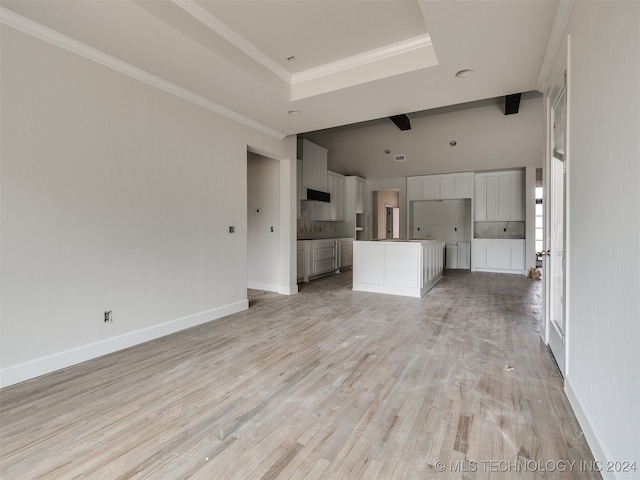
(326, 384)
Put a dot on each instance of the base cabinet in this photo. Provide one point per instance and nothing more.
(345, 246)
(499, 256)
(300, 260)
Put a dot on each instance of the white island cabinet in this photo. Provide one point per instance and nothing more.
(397, 267)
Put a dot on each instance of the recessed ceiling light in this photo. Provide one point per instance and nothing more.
(294, 112)
(464, 73)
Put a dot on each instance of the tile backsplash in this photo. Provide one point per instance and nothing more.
(310, 230)
(514, 230)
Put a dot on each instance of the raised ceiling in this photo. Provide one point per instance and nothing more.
(354, 60)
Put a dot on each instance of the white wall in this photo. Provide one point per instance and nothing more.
(116, 196)
(263, 255)
(603, 325)
(486, 140)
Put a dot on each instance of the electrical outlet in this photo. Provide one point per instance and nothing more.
(232, 229)
(107, 317)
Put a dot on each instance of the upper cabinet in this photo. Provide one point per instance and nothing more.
(499, 196)
(299, 187)
(361, 195)
(336, 188)
(439, 187)
(314, 165)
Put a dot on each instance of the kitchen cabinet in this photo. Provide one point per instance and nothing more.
(394, 267)
(324, 257)
(361, 195)
(356, 205)
(300, 259)
(332, 211)
(499, 196)
(314, 165)
(499, 255)
(319, 257)
(336, 184)
(345, 247)
(440, 187)
(299, 188)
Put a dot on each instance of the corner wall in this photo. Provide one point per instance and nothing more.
(115, 196)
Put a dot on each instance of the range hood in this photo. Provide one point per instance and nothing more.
(311, 195)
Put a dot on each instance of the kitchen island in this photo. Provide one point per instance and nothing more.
(397, 267)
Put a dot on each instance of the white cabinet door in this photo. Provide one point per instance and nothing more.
(447, 187)
(463, 186)
(499, 255)
(504, 197)
(346, 252)
(361, 195)
(499, 196)
(337, 196)
(299, 187)
(436, 187)
(314, 165)
(324, 256)
(492, 198)
(300, 260)
(481, 199)
(516, 196)
(414, 189)
(430, 188)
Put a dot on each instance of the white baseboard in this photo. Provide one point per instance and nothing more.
(598, 452)
(41, 366)
(273, 287)
(284, 290)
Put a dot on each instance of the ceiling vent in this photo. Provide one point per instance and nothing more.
(401, 121)
(400, 158)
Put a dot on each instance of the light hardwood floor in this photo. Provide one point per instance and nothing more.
(326, 384)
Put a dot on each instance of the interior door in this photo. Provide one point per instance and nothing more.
(556, 238)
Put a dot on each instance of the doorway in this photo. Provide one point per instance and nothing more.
(263, 222)
(385, 216)
(393, 222)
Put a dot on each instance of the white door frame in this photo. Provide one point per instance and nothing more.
(559, 343)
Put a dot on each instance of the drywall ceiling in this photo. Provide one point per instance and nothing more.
(354, 60)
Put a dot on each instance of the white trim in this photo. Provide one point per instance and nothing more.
(285, 290)
(269, 287)
(560, 23)
(214, 24)
(354, 61)
(51, 36)
(50, 363)
(273, 287)
(590, 435)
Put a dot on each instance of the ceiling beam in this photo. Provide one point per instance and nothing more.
(401, 121)
(512, 104)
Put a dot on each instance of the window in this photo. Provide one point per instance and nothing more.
(539, 221)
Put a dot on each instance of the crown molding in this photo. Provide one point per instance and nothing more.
(558, 32)
(54, 37)
(355, 61)
(211, 22)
